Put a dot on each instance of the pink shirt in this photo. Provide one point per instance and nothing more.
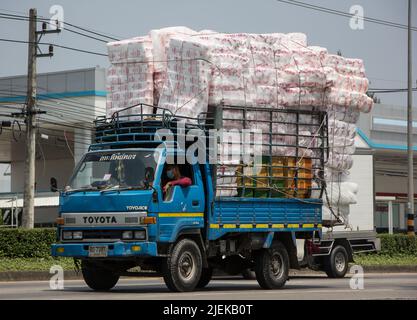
(183, 182)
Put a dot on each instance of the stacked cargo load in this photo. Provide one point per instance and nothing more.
(345, 99)
(130, 75)
(257, 80)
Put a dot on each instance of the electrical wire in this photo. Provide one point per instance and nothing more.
(345, 14)
(390, 90)
(66, 28)
(44, 19)
(56, 45)
(57, 137)
(62, 100)
(71, 108)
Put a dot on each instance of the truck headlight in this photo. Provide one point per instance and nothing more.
(141, 234)
(67, 235)
(127, 235)
(77, 235)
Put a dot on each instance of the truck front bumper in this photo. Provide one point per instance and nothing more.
(114, 249)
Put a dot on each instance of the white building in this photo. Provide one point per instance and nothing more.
(383, 133)
(71, 100)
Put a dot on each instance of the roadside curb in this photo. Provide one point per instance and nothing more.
(35, 275)
(72, 275)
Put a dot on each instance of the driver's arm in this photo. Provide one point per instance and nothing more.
(183, 182)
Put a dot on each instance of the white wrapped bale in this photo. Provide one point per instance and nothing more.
(349, 99)
(346, 66)
(341, 211)
(185, 91)
(130, 76)
(160, 44)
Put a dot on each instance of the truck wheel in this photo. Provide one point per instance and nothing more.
(336, 264)
(272, 266)
(248, 274)
(182, 269)
(205, 278)
(98, 278)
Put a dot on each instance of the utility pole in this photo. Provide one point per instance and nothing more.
(29, 191)
(410, 206)
(30, 118)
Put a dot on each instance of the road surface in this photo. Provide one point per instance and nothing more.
(376, 286)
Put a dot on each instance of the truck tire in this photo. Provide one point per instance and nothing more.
(336, 264)
(182, 269)
(272, 266)
(98, 278)
(205, 278)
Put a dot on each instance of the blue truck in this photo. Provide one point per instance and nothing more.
(116, 219)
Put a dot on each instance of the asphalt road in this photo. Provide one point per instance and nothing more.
(376, 286)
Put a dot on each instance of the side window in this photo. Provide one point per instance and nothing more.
(185, 171)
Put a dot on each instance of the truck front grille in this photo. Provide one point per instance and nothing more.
(102, 235)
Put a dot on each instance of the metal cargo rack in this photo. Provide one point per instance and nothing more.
(125, 129)
(297, 174)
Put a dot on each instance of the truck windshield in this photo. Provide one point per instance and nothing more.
(115, 169)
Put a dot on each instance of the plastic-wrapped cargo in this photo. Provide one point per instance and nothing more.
(185, 91)
(130, 75)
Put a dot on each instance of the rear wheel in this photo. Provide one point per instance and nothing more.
(182, 269)
(97, 277)
(272, 266)
(336, 264)
(205, 278)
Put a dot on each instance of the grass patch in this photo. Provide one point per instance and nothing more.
(385, 260)
(34, 264)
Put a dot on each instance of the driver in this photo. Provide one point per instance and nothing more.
(175, 178)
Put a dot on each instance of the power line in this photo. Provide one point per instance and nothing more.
(390, 90)
(66, 28)
(73, 105)
(56, 45)
(44, 19)
(345, 14)
(51, 95)
(82, 141)
(51, 114)
(57, 137)
(67, 125)
(69, 111)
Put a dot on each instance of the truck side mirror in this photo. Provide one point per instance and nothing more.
(154, 196)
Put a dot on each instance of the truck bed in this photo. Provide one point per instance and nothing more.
(234, 214)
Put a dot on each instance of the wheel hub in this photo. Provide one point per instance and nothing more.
(186, 266)
(276, 265)
(340, 262)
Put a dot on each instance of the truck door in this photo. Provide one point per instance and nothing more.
(181, 208)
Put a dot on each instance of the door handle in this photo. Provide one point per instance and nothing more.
(195, 203)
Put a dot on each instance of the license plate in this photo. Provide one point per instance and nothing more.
(97, 251)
